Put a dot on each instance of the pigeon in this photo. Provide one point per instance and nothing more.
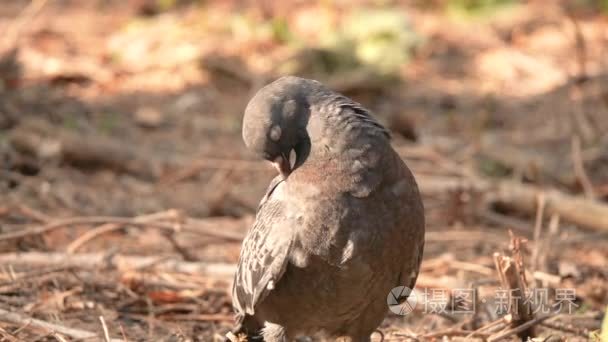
(340, 226)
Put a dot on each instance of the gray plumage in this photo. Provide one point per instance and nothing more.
(340, 226)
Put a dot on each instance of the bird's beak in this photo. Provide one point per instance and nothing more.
(282, 164)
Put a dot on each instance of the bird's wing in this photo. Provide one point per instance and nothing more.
(276, 181)
(360, 140)
(264, 254)
(410, 270)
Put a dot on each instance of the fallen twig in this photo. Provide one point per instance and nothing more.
(520, 328)
(512, 278)
(583, 212)
(521, 226)
(456, 264)
(120, 262)
(83, 220)
(33, 213)
(106, 333)
(61, 338)
(212, 163)
(191, 226)
(538, 226)
(565, 328)
(109, 227)
(33, 274)
(549, 240)
(38, 138)
(15, 318)
(579, 168)
(492, 326)
(454, 332)
(6, 336)
(11, 33)
(122, 332)
(446, 234)
(532, 165)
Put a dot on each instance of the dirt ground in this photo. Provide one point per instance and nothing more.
(125, 188)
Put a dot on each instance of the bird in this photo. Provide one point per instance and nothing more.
(339, 227)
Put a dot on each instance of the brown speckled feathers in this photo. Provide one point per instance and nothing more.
(338, 228)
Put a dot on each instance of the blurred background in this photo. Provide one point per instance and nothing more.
(125, 187)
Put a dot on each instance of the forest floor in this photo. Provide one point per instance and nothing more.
(125, 188)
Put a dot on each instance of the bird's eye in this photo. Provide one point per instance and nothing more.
(275, 133)
(289, 108)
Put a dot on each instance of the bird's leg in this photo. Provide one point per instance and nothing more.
(274, 333)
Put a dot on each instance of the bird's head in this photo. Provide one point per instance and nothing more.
(275, 122)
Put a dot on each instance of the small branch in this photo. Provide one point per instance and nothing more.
(82, 220)
(11, 33)
(566, 328)
(5, 336)
(184, 252)
(538, 226)
(34, 274)
(489, 327)
(33, 214)
(522, 227)
(547, 279)
(120, 262)
(122, 332)
(15, 318)
(60, 338)
(456, 264)
(454, 332)
(550, 240)
(110, 227)
(532, 165)
(38, 138)
(580, 45)
(92, 234)
(212, 163)
(583, 212)
(579, 168)
(511, 280)
(517, 330)
(106, 333)
(191, 226)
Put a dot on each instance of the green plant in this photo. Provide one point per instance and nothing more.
(380, 39)
(477, 8)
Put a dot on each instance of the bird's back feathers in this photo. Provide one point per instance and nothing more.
(347, 221)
